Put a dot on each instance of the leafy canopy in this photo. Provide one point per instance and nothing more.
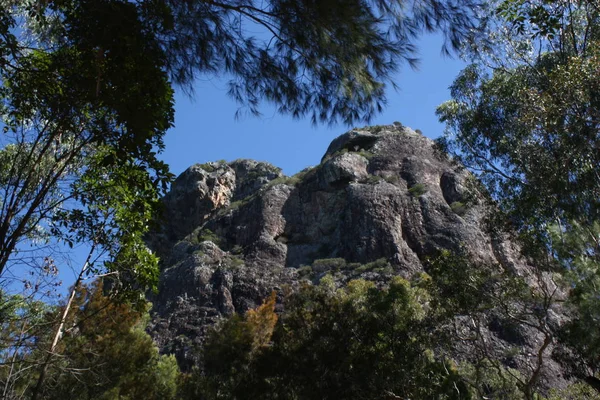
(327, 59)
(525, 117)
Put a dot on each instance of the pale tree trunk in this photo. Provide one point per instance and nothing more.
(9, 383)
(59, 331)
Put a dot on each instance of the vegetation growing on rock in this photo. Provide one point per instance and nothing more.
(331, 284)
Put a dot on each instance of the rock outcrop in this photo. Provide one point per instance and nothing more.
(235, 231)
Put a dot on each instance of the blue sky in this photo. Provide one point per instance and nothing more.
(206, 130)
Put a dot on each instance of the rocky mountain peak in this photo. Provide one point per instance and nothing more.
(381, 201)
(382, 192)
(203, 189)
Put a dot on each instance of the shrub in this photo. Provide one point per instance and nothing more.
(328, 264)
(233, 263)
(208, 167)
(418, 190)
(377, 129)
(294, 179)
(213, 165)
(305, 271)
(393, 179)
(286, 180)
(380, 265)
(237, 249)
(208, 235)
(458, 208)
(373, 179)
(366, 154)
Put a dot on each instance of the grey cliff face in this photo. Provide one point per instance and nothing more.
(236, 231)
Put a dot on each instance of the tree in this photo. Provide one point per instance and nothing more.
(23, 320)
(498, 321)
(329, 59)
(577, 249)
(526, 121)
(76, 127)
(354, 342)
(87, 77)
(105, 354)
(230, 354)
(81, 131)
(86, 100)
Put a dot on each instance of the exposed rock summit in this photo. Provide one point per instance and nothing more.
(236, 231)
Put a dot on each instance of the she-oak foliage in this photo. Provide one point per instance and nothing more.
(327, 59)
(87, 83)
(86, 97)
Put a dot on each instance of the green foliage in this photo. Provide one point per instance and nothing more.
(524, 117)
(233, 262)
(115, 357)
(206, 234)
(213, 165)
(418, 189)
(83, 122)
(373, 179)
(377, 129)
(458, 285)
(304, 174)
(337, 153)
(491, 380)
(358, 341)
(458, 208)
(537, 18)
(286, 180)
(208, 167)
(293, 180)
(341, 270)
(502, 133)
(381, 265)
(366, 154)
(23, 321)
(361, 340)
(105, 353)
(393, 179)
(575, 391)
(229, 353)
(329, 60)
(305, 271)
(237, 250)
(328, 264)
(577, 249)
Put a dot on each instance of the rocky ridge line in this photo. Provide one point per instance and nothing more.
(235, 231)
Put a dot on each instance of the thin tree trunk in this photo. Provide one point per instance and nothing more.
(59, 331)
(13, 360)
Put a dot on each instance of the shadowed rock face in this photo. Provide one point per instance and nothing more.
(235, 231)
